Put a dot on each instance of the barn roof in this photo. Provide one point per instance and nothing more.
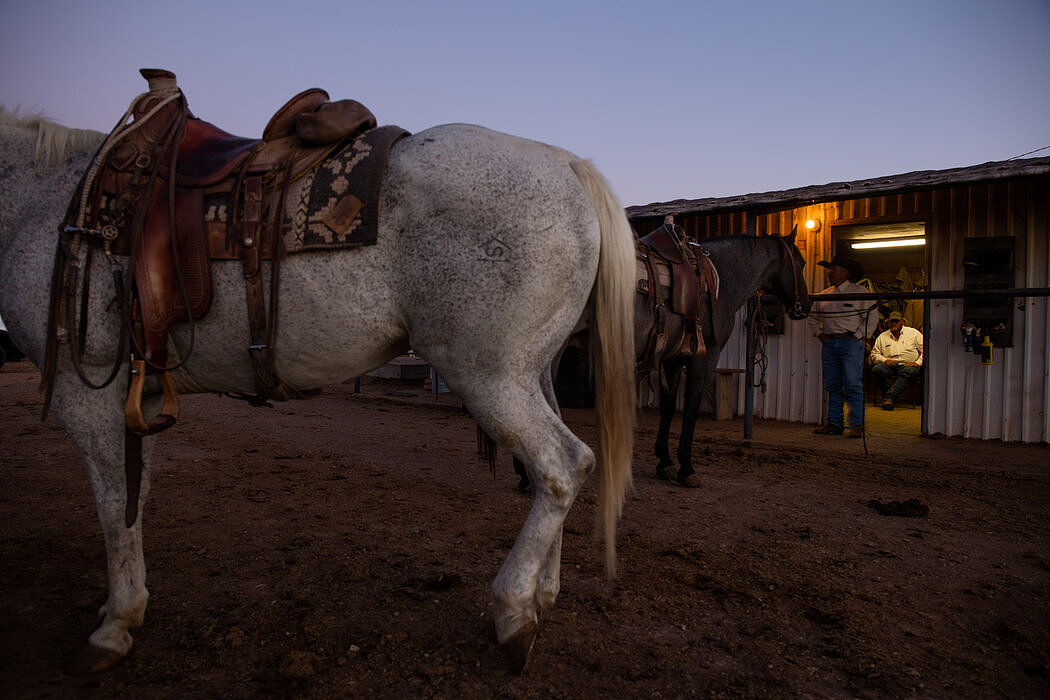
(813, 194)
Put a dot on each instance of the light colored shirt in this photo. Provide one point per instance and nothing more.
(853, 316)
(907, 348)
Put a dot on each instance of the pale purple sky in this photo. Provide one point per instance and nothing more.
(670, 99)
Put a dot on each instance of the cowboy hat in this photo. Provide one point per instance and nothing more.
(854, 268)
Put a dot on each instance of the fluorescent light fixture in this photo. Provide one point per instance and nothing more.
(892, 243)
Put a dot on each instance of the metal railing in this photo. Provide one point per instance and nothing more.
(749, 388)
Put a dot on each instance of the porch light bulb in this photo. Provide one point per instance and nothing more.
(813, 224)
(894, 243)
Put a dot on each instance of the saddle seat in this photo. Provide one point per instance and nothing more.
(208, 155)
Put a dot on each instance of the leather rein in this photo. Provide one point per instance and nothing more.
(796, 311)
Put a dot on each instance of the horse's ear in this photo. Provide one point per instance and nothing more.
(791, 236)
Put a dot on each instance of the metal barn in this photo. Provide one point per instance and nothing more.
(985, 263)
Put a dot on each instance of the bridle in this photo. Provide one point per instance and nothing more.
(796, 311)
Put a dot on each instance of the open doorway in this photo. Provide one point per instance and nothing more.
(895, 259)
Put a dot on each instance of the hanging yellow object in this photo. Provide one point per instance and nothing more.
(986, 351)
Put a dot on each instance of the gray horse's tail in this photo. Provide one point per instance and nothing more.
(612, 353)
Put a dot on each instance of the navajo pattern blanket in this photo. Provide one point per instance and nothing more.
(336, 204)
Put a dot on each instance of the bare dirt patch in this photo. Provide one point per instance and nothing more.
(344, 546)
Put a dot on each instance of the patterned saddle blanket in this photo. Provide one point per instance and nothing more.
(334, 204)
(337, 203)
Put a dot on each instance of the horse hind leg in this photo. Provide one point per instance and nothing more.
(547, 383)
(697, 372)
(668, 399)
(558, 463)
(549, 584)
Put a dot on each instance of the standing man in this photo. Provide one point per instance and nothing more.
(843, 328)
(897, 354)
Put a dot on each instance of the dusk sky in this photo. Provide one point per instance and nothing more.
(670, 99)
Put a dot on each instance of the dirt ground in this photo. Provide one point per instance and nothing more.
(344, 547)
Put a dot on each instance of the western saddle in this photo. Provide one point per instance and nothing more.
(144, 197)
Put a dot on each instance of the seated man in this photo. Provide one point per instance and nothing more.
(897, 353)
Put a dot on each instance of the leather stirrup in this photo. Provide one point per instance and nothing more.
(169, 412)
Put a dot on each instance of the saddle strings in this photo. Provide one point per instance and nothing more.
(120, 132)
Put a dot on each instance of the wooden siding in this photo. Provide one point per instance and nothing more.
(1008, 400)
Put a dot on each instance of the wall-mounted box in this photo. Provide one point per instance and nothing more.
(989, 264)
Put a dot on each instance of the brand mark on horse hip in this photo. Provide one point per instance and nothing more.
(495, 250)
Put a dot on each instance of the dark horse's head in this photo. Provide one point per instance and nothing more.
(788, 283)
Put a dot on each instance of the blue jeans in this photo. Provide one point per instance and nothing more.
(843, 362)
(904, 375)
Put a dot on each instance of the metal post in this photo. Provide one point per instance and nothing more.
(752, 341)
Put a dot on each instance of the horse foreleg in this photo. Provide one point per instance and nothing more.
(125, 606)
(94, 421)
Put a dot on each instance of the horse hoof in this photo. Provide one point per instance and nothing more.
(518, 646)
(668, 473)
(94, 660)
(692, 481)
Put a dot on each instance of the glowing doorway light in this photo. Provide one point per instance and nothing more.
(893, 243)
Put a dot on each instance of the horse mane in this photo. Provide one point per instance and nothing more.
(53, 141)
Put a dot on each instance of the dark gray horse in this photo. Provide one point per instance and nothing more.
(746, 264)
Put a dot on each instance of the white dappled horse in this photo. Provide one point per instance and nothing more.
(490, 326)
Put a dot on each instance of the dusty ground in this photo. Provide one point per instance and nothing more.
(344, 547)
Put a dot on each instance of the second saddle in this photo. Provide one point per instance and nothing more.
(693, 282)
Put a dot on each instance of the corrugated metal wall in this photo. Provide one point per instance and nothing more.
(1008, 400)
